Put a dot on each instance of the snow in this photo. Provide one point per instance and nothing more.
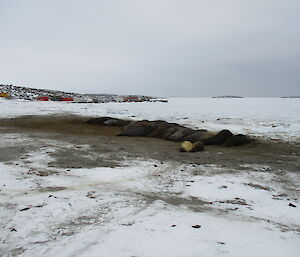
(100, 211)
(147, 208)
(152, 234)
(268, 117)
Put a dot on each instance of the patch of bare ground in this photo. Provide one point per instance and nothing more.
(107, 149)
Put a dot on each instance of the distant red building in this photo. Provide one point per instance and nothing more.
(131, 99)
(67, 99)
(43, 98)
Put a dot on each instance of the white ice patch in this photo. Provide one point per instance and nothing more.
(114, 212)
(162, 230)
(256, 193)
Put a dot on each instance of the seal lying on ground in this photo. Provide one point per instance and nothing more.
(237, 140)
(218, 139)
(187, 146)
(108, 121)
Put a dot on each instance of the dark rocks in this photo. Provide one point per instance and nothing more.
(218, 139)
(292, 205)
(25, 209)
(196, 226)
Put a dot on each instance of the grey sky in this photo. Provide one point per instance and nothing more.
(153, 47)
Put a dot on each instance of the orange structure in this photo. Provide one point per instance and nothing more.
(3, 94)
(43, 98)
(131, 99)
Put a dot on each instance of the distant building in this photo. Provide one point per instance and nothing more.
(132, 99)
(67, 99)
(43, 98)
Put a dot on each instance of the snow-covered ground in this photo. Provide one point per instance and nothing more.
(270, 117)
(149, 208)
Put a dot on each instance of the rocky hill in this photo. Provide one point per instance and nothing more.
(31, 94)
(228, 96)
(27, 93)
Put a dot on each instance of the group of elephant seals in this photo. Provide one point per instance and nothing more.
(193, 140)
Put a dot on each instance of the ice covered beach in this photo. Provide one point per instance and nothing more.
(68, 189)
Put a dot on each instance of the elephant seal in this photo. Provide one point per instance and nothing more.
(198, 146)
(116, 122)
(218, 139)
(187, 146)
(108, 121)
(179, 134)
(169, 131)
(198, 135)
(136, 132)
(237, 140)
(98, 121)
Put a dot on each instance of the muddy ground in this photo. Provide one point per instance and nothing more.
(102, 140)
(59, 203)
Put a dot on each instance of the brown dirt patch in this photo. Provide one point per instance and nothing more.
(104, 142)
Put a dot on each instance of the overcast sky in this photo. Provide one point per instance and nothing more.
(154, 47)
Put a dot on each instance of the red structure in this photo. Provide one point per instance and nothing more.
(131, 99)
(67, 99)
(43, 98)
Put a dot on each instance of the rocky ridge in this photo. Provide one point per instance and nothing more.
(31, 94)
(28, 93)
